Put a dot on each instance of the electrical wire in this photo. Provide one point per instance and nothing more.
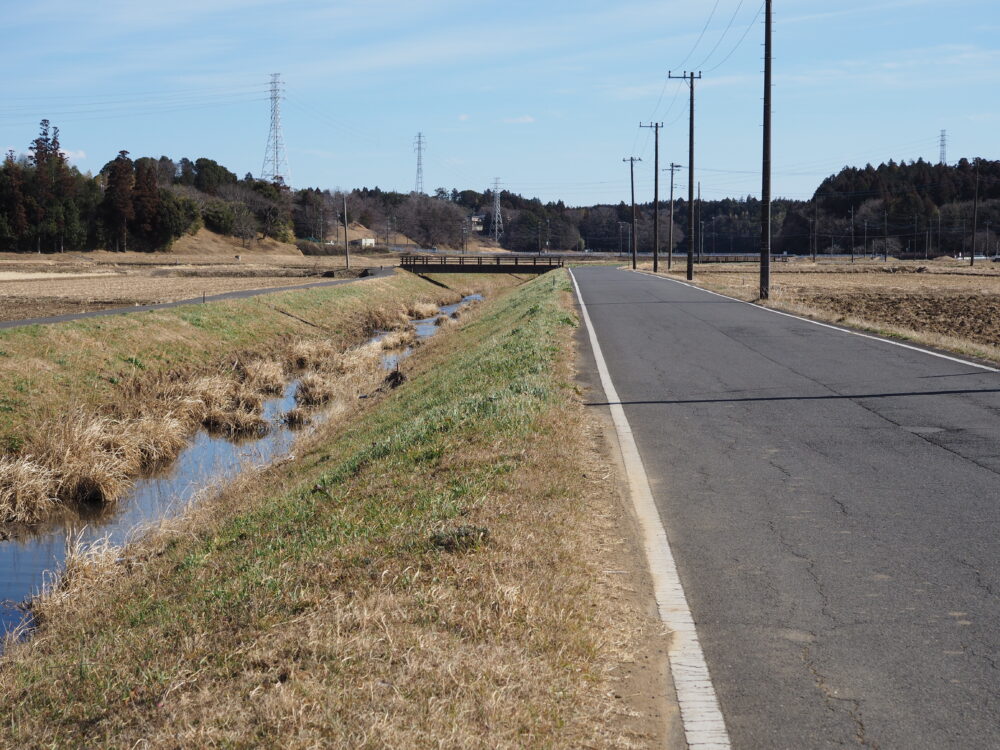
(740, 42)
(700, 36)
(721, 38)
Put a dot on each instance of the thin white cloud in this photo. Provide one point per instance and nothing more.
(522, 120)
(463, 117)
(74, 156)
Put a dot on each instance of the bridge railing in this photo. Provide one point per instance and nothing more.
(547, 261)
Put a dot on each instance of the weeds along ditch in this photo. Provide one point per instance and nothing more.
(436, 568)
(90, 483)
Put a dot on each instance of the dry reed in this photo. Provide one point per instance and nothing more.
(423, 310)
(26, 490)
(313, 390)
(265, 376)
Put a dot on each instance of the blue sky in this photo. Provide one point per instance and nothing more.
(547, 96)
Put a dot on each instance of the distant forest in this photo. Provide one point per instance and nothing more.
(144, 204)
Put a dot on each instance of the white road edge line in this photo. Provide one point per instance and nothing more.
(826, 325)
(704, 726)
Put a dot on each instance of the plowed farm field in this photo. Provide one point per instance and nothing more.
(939, 303)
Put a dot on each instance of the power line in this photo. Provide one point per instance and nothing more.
(739, 43)
(701, 35)
(722, 38)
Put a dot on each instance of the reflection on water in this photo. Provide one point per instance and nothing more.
(207, 462)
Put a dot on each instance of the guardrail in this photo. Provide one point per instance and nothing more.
(481, 263)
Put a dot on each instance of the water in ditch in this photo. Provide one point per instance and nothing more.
(207, 463)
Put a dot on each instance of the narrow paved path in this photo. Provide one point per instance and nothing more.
(833, 503)
(192, 301)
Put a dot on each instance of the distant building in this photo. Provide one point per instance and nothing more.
(364, 242)
(477, 222)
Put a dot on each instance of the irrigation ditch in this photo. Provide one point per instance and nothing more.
(150, 469)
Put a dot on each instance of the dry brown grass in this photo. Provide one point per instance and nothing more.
(27, 490)
(265, 376)
(296, 417)
(92, 460)
(301, 610)
(313, 390)
(423, 310)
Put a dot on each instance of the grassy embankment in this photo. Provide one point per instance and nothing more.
(427, 574)
(87, 406)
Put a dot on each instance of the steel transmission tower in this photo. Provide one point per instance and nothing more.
(275, 167)
(497, 216)
(944, 148)
(418, 146)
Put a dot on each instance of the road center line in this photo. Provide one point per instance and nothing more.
(704, 726)
(826, 325)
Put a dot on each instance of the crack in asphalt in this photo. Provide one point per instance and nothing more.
(833, 702)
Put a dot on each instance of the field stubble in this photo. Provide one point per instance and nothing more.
(940, 304)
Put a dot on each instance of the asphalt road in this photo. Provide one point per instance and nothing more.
(833, 503)
(192, 301)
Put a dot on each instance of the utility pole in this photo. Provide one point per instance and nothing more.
(765, 190)
(656, 194)
(852, 234)
(619, 239)
(347, 246)
(418, 146)
(865, 254)
(634, 241)
(885, 244)
(701, 226)
(690, 78)
(975, 218)
(815, 230)
(670, 229)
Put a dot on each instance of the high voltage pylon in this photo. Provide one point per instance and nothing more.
(275, 167)
(497, 216)
(418, 146)
(943, 161)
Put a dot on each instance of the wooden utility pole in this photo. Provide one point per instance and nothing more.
(701, 227)
(885, 244)
(670, 229)
(690, 78)
(347, 246)
(634, 238)
(656, 194)
(975, 219)
(815, 230)
(765, 189)
(852, 234)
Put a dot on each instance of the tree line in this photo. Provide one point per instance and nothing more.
(145, 204)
